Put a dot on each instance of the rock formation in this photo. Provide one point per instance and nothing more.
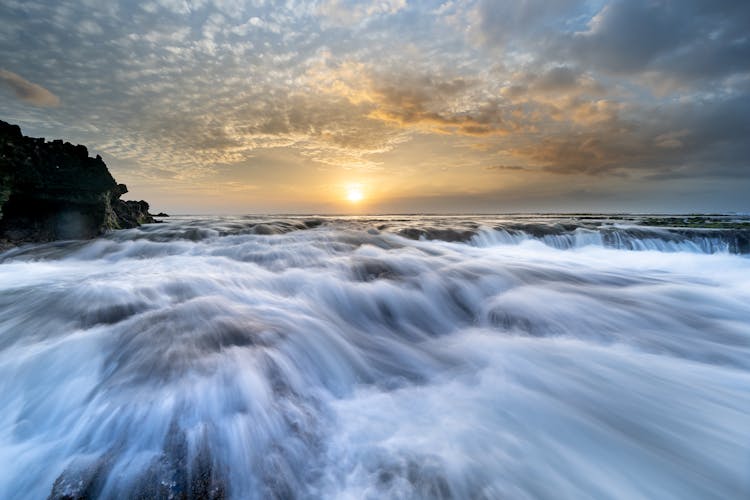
(54, 190)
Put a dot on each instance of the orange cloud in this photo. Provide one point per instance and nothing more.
(27, 91)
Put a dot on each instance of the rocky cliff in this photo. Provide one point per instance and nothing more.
(54, 190)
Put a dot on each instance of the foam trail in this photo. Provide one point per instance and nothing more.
(364, 358)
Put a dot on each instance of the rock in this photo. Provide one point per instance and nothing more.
(432, 233)
(131, 213)
(161, 214)
(54, 190)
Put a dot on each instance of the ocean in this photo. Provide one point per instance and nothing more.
(467, 357)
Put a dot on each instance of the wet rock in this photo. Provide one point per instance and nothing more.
(443, 234)
(83, 479)
(176, 473)
(53, 190)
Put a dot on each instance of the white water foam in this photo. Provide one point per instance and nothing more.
(199, 359)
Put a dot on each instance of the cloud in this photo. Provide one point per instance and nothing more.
(626, 36)
(665, 44)
(700, 140)
(692, 39)
(410, 100)
(505, 168)
(559, 78)
(507, 23)
(596, 89)
(347, 12)
(27, 91)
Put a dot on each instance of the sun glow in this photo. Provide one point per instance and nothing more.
(354, 194)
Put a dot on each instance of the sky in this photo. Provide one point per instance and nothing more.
(393, 106)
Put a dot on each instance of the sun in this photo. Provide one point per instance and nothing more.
(354, 194)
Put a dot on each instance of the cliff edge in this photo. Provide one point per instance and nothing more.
(54, 190)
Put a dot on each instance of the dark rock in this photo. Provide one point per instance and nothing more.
(10, 130)
(431, 233)
(131, 213)
(54, 190)
(161, 214)
(177, 472)
(83, 479)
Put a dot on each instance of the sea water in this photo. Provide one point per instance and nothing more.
(377, 357)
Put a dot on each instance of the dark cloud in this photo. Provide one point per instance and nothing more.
(699, 140)
(626, 36)
(681, 41)
(558, 78)
(692, 38)
(27, 91)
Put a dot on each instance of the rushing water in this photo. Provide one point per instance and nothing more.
(408, 357)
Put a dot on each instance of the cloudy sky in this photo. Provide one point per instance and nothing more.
(235, 106)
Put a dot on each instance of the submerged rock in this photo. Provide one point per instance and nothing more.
(54, 190)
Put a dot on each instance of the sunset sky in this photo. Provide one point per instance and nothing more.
(232, 106)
